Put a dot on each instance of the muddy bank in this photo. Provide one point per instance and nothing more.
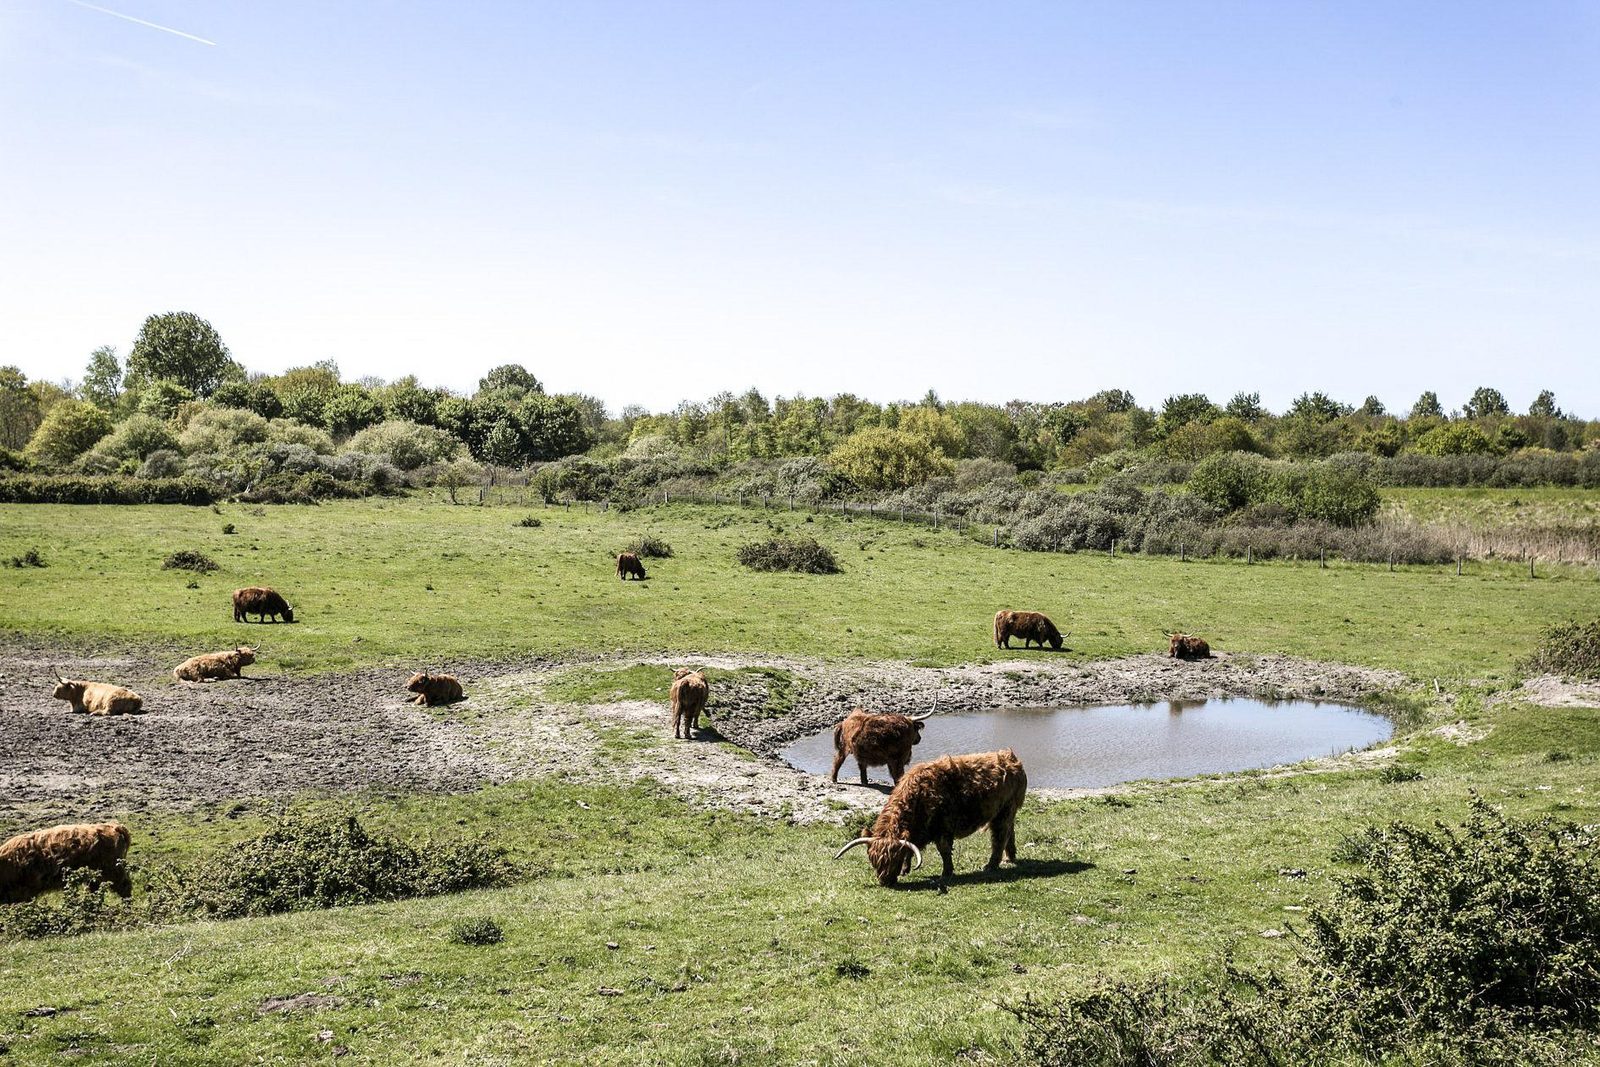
(276, 736)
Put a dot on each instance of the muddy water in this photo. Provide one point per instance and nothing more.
(1085, 747)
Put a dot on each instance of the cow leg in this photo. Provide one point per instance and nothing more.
(1002, 838)
(121, 883)
(895, 771)
(947, 845)
(838, 761)
(861, 766)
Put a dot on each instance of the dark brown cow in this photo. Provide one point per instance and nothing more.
(689, 692)
(1032, 626)
(218, 665)
(951, 797)
(1185, 646)
(628, 565)
(261, 602)
(435, 688)
(33, 863)
(876, 741)
(97, 698)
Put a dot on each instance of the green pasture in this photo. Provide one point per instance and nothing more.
(1543, 506)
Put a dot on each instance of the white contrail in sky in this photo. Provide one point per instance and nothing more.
(142, 22)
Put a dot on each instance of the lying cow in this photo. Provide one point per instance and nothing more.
(434, 689)
(628, 566)
(1185, 646)
(33, 863)
(97, 698)
(689, 693)
(951, 797)
(216, 665)
(876, 741)
(1032, 626)
(261, 602)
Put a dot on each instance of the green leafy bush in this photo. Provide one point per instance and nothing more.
(83, 907)
(1571, 649)
(805, 555)
(30, 558)
(528, 522)
(187, 559)
(71, 489)
(648, 547)
(480, 930)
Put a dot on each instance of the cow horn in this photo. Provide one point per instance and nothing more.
(915, 849)
(59, 678)
(851, 845)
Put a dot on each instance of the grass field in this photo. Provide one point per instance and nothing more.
(1496, 507)
(737, 940)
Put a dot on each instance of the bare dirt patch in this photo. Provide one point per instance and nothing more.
(1554, 691)
(278, 736)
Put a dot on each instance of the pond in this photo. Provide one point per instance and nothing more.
(1081, 747)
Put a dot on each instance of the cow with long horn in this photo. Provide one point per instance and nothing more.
(96, 698)
(938, 802)
(218, 666)
(877, 741)
(1187, 646)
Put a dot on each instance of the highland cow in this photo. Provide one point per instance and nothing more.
(876, 741)
(628, 565)
(1185, 646)
(689, 693)
(951, 797)
(97, 698)
(261, 602)
(34, 863)
(216, 665)
(1032, 626)
(434, 689)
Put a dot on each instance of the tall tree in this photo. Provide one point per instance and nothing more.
(1486, 402)
(1427, 406)
(102, 379)
(511, 376)
(1545, 406)
(1245, 406)
(20, 410)
(181, 347)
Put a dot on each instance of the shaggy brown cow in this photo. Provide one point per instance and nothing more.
(689, 692)
(33, 863)
(261, 602)
(876, 741)
(435, 688)
(218, 665)
(1032, 626)
(628, 565)
(1185, 646)
(97, 698)
(951, 797)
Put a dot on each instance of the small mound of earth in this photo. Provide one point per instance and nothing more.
(1554, 691)
(274, 736)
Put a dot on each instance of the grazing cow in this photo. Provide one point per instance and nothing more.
(951, 797)
(33, 863)
(876, 741)
(689, 692)
(628, 565)
(97, 698)
(216, 665)
(435, 688)
(261, 602)
(1032, 626)
(1185, 646)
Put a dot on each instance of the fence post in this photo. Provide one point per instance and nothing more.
(1391, 562)
(1248, 555)
(1458, 565)
(902, 514)
(1183, 553)
(935, 520)
(1113, 548)
(1530, 564)
(1322, 557)
(997, 537)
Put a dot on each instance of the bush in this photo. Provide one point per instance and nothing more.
(137, 437)
(1571, 649)
(290, 432)
(529, 522)
(84, 907)
(648, 547)
(186, 559)
(1229, 481)
(72, 489)
(305, 862)
(406, 445)
(222, 430)
(476, 931)
(70, 429)
(805, 555)
(30, 558)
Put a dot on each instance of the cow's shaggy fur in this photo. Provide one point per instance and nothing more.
(938, 802)
(1032, 626)
(97, 698)
(1185, 646)
(261, 602)
(689, 692)
(628, 566)
(435, 688)
(875, 741)
(33, 863)
(215, 665)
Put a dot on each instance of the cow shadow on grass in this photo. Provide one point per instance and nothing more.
(1022, 870)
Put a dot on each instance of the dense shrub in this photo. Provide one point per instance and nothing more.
(480, 930)
(290, 432)
(187, 559)
(304, 863)
(1572, 649)
(801, 554)
(407, 445)
(72, 489)
(30, 558)
(884, 459)
(649, 547)
(84, 906)
(222, 430)
(137, 437)
(69, 429)
(529, 522)
(1229, 481)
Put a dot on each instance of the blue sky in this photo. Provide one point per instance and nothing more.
(652, 202)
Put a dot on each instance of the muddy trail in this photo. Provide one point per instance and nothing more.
(277, 736)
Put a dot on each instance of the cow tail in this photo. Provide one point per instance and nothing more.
(838, 738)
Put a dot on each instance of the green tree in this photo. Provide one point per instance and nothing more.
(1454, 439)
(20, 410)
(1373, 407)
(1319, 407)
(1113, 401)
(181, 347)
(1229, 481)
(938, 428)
(1337, 495)
(1545, 406)
(1185, 408)
(102, 379)
(1246, 407)
(70, 429)
(162, 397)
(513, 377)
(1486, 403)
(552, 427)
(881, 459)
(1427, 406)
(502, 445)
(350, 408)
